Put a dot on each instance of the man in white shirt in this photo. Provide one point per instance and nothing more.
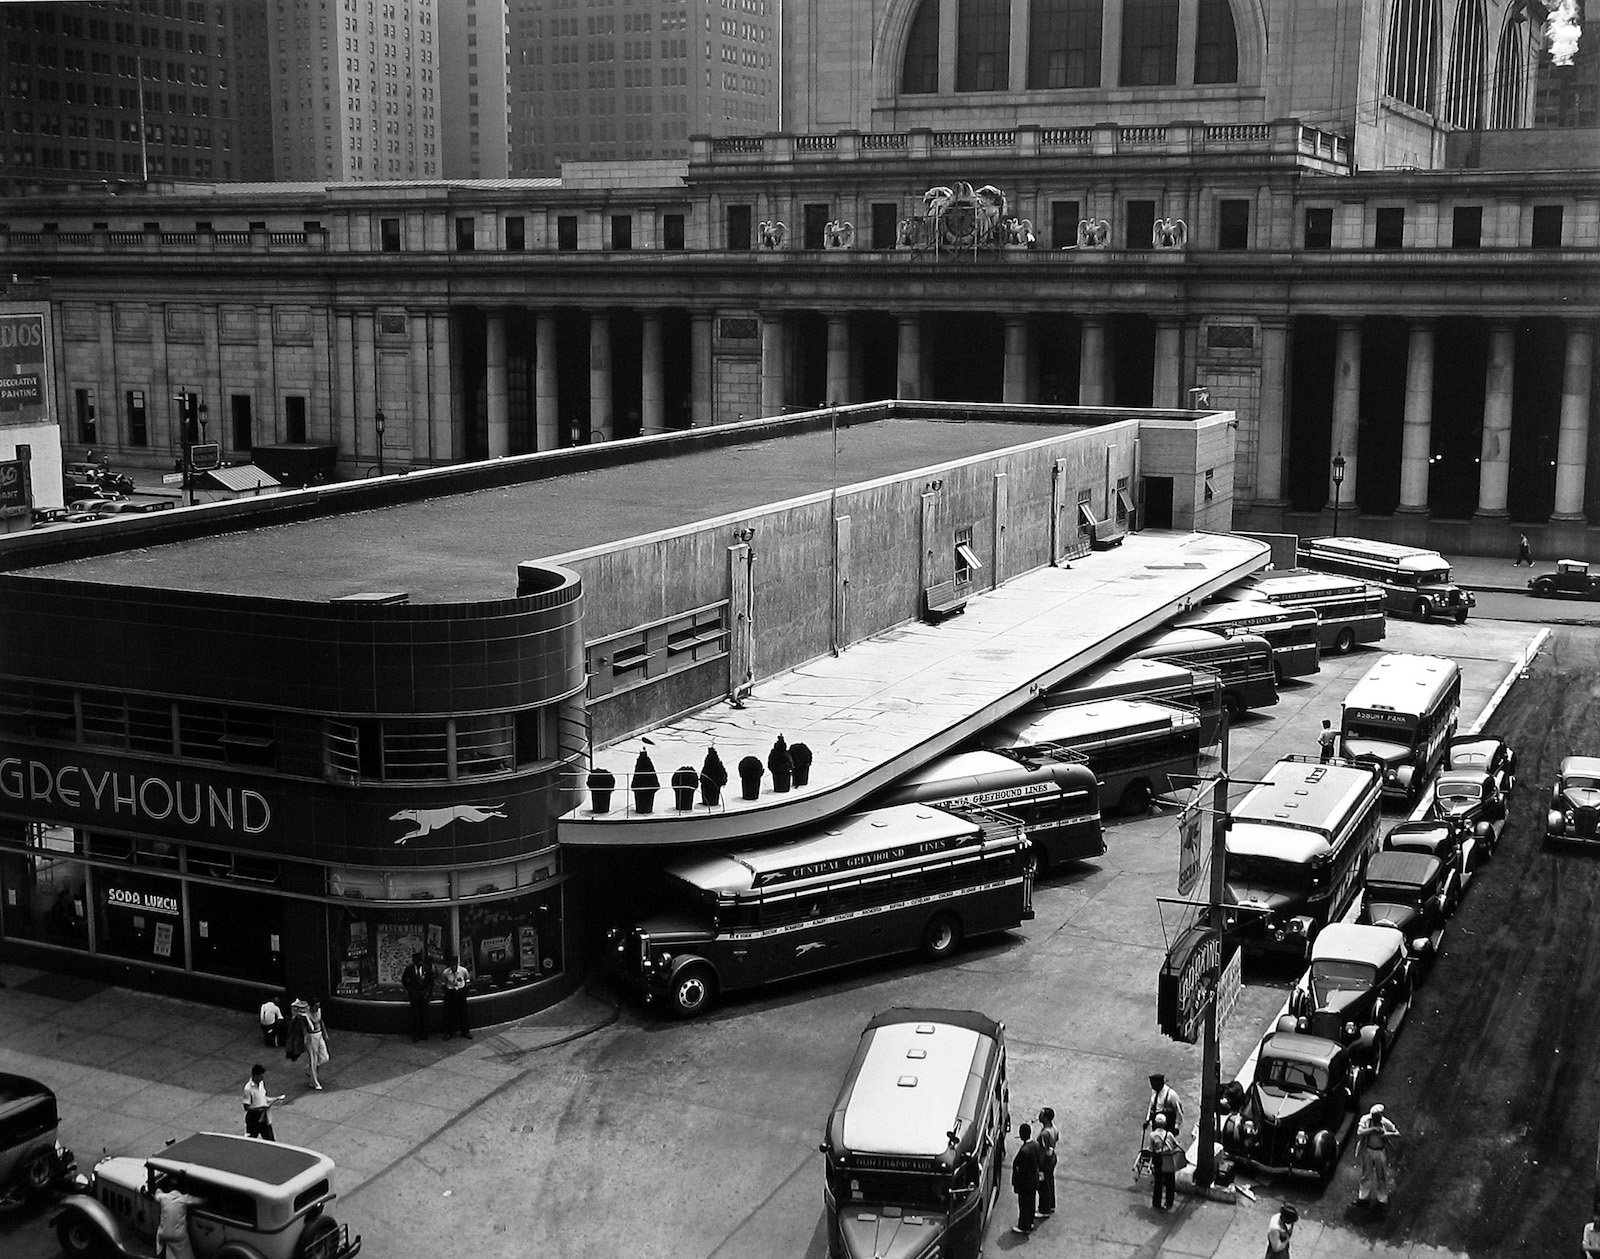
(454, 982)
(272, 1023)
(258, 1104)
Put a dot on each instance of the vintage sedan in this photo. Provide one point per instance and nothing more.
(1300, 1107)
(1572, 578)
(1575, 801)
(1473, 800)
(252, 1198)
(1488, 752)
(1444, 838)
(1413, 893)
(1357, 990)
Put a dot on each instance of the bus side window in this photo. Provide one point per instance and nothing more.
(778, 911)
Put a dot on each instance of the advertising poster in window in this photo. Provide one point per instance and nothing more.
(22, 369)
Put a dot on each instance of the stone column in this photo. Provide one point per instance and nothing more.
(444, 445)
(772, 382)
(700, 391)
(1416, 443)
(1494, 472)
(1015, 383)
(653, 390)
(949, 24)
(546, 396)
(1346, 409)
(1092, 360)
(908, 358)
(1188, 28)
(496, 386)
(1270, 414)
(838, 359)
(600, 426)
(421, 428)
(1017, 70)
(1572, 448)
(1110, 47)
(1166, 389)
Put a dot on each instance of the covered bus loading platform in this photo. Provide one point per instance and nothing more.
(890, 704)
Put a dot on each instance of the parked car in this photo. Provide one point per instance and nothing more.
(1300, 1107)
(98, 475)
(1443, 838)
(256, 1198)
(1487, 752)
(134, 506)
(32, 1159)
(1356, 991)
(1575, 801)
(1413, 893)
(1572, 578)
(1472, 799)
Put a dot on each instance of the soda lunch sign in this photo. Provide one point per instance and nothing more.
(146, 902)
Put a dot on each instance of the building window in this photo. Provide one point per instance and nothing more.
(1064, 43)
(672, 231)
(967, 561)
(567, 232)
(919, 73)
(1216, 44)
(1463, 105)
(466, 238)
(1413, 52)
(294, 417)
(1064, 216)
(1511, 72)
(1547, 226)
(738, 227)
(885, 224)
(389, 231)
(516, 233)
(1233, 225)
(1466, 227)
(983, 45)
(1390, 229)
(1319, 227)
(138, 426)
(622, 231)
(243, 425)
(815, 225)
(1149, 42)
(1141, 224)
(83, 405)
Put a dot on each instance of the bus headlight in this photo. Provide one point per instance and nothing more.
(1351, 1031)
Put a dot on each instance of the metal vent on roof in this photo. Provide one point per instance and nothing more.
(924, 1029)
(916, 1053)
(907, 1081)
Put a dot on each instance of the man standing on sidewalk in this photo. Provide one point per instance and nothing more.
(258, 1104)
(455, 999)
(1524, 551)
(417, 980)
(1164, 1152)
(1373, 1135)
(1328, 740)
(1280, 1231)
(1025, 1180)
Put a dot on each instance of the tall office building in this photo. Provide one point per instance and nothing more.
(473, 87)
(1568, 90)
(592, 83)
(355, 92)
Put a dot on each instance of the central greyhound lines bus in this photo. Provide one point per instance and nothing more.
(1189, 685)
(866, 885)
(1400, 717)
(1242, 663)
(1349, 611)
(1415, 582)
(1294, 633)
(914, 1152)
(1056, 800)
(1297, 849)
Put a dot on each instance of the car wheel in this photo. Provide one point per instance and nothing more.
(1543, 588)
(1345, 642)
(36, 1173)
(320, 1240)
(940, 937)
(1423, 610)
(79, 1238)
(693, 991)
(1136, 797)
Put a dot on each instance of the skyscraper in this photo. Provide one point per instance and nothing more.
(473, 83)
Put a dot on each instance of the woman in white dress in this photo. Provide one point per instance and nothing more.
(316, 1043)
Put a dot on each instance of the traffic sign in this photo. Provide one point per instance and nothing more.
(1189, 845)
(172, 478)
(203, 456)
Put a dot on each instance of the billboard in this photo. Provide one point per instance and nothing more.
(22, 369)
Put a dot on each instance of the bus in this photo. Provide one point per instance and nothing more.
(1055, 799)
(1136, 747)
(1297, 850)
(1192, 686)
(916, 1139)
(1242, 663)
(1415, 582)
(1294, 633)
(866, 885)
(1401, 717)
(1350, 610)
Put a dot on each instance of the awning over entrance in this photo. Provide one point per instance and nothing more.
(890, 704)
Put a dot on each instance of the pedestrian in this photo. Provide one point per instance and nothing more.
(455, 981)
(273, 1022)
(417, 980)
(1048, 1138)
(1280, 1229)
(1025, 1181)
(1164, 1101)
(258, 1104)
(1328, 740)
(1164, 1155)
(1524, 551)
(294, 1043)
(1373, 1135)
(316, 1038)
(1591, 1237)
(172, 1234)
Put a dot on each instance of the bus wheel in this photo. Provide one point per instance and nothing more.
(1345, 642)
(1423, 610)
(1232, 705)
(940, 937)
(1136, 797)
(693, 991)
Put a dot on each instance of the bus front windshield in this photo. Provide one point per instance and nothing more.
(891, 1188)
(1433, 577)
(1364, 736)
(1270, 873)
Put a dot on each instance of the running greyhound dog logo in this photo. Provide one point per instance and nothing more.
(429, 820)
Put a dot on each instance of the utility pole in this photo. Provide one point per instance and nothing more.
(1205, 1167)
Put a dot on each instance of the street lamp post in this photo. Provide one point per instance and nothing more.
(381, 421)
(1338, 482)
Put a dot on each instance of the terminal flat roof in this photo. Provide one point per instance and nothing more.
(461, 548)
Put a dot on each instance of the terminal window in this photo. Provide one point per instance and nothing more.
(1466, 227)
(885, 224)
(1141, 224)
(138, 424)
(1547, 227)
(1389, 230)
(390, 231)
(1064, 216)
(1233, 225)
(1319, 227)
